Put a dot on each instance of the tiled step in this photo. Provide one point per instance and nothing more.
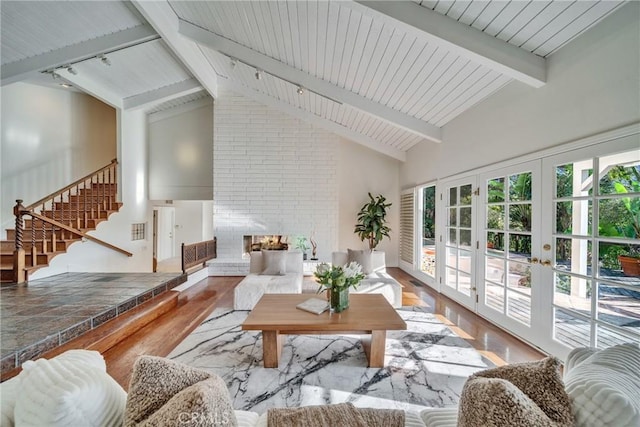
(145, 309)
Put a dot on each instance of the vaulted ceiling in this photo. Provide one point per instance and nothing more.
(387, 75)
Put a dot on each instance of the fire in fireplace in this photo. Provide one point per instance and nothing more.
(258, 242)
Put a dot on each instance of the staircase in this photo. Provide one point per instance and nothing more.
(49, 226)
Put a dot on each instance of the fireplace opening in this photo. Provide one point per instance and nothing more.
(258, 242)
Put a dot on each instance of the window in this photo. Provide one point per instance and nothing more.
(428, 230)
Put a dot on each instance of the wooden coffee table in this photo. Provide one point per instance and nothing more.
(368, 314)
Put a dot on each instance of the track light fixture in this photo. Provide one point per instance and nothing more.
(104, 60)
(234, 62)
(258, 74)
(72, 70)
(300, 90)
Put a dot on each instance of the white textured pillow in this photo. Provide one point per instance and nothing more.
(363, 258)
(275, 263)
(8, 394)
(88, 357)
(69, 392)
(605, 388)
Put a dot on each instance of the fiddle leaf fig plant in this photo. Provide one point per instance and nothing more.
(372, 221)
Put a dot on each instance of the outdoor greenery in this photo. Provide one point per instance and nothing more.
(619, 216)
(517, 199)
(429, 212)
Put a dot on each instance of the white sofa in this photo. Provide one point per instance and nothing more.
(74, 389)
(603, 386)
(378, 281)
(255, 284)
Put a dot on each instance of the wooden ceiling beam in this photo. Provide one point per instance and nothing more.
(164, 20)
(291, 74)
(28, 67)
(463, 39)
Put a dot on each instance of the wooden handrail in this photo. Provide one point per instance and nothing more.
(198, 253)
(70, 186)
(78, 232)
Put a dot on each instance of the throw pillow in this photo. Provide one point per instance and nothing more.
(362, 257)
(275, 263)
(540, 391)
(59, 392)
(167, 393)
(605, 387)
(8, 395)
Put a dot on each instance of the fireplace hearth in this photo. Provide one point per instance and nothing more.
(258, 242)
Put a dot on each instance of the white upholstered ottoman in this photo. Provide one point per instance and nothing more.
(261, 280)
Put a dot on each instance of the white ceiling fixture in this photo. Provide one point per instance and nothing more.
(31, 66)
(288, 73)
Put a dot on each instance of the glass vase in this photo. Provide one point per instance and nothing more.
(338, 300)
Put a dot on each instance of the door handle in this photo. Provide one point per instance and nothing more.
(546, 262)
(534, 260)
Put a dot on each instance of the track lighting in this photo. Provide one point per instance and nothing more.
(72, 70)
(300, 90)
(234, 62)
(54, 75)
(258, 74)
(104, 60)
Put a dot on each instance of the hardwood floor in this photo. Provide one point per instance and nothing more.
(196, 303)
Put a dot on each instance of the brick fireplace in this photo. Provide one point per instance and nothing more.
(273, 175)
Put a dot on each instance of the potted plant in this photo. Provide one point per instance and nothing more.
(630, 262)
(301, 244)
(337, 281)
(372, 220)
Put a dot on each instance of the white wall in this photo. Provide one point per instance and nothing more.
(275, 174)
(50, 138)
(181, 152)
(91, 257)
(193, 221)
(593, 85)
(362, 171)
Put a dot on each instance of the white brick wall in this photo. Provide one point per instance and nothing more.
(272, 174)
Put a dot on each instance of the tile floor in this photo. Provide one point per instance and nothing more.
(48, 312)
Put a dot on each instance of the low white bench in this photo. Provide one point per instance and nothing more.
(249, 291)
(377, 282)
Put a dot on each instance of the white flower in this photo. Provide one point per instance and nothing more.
(322, 268)
(352, 269)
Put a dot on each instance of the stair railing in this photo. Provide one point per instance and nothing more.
(95, 200)
(198, 253)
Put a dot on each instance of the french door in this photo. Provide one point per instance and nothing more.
(593, 218)
(509, 248)
(535, 247)
(457, 273)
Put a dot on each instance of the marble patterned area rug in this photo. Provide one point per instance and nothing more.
(425, 366)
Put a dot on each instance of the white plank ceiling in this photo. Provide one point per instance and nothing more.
(377, 57)
(540, 27)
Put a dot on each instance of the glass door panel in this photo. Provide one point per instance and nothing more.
(428, 241)
(509, 224)
(458, 239)
(596, 220)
